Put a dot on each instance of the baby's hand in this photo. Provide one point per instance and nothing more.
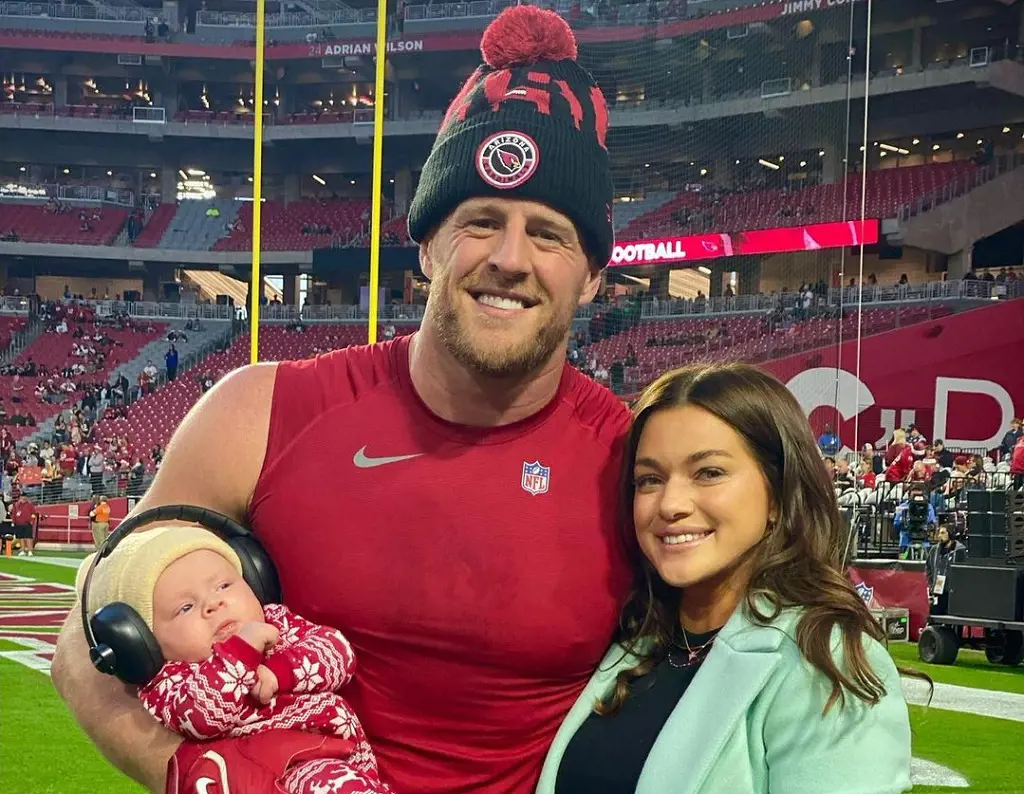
(258, 634)
(266, 685)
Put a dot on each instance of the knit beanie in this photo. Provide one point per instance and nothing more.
(130, 573)
(529, 123)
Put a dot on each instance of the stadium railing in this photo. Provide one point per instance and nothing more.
(959, 186)
(92, 194)
(934, 291)
(870, 515)
(101, 13)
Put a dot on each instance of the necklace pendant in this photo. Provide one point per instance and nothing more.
(694, 656)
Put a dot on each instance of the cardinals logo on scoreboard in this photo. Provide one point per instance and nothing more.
(506, 160)
(536, 478)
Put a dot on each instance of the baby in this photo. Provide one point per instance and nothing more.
(235, 668)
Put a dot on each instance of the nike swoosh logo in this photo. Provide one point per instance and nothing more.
(362, 461)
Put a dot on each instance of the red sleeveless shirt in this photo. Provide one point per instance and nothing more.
(477, 572)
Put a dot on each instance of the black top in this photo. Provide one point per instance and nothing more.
(607, 754)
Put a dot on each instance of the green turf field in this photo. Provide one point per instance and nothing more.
(42, 751)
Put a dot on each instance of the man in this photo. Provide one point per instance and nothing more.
(23, 517)
(448, 500)
(99, 521)
(945, 551)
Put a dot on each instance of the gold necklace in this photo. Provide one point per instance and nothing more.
(693, 655)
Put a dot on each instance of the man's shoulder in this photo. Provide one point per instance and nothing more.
(597, 408)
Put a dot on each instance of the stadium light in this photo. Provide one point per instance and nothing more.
(959, 135)
(803, 163)
(916, 141)
(1006, 129)
(980, 142)
(705, 270)
(821, 153)
(769, 164)
(935, 147)
(319, 179)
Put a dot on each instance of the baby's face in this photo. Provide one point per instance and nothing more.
(198, 600)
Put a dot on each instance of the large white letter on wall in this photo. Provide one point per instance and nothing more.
(943, 388)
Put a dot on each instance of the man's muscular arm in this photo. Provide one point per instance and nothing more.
(213, 460)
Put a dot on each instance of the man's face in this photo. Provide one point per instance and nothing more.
(506, 278)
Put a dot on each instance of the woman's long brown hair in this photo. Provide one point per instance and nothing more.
(800, 563)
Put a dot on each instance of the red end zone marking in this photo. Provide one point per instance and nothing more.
(18, 621)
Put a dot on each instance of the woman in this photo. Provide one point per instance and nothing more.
(899, 458)
(747, 662)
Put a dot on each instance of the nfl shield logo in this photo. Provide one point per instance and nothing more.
(865, 592)
(536, 478)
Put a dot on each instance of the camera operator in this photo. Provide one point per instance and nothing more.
(914, 517)
(945, 551)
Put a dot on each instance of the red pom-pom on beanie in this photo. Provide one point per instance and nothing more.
(523, 35)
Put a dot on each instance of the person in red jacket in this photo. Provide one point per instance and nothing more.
(235, 668)
(899, 458)
(23, 517)
(1017, 463)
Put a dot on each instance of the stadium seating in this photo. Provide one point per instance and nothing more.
(887, 190)
(37, 223)
(54, 351)
(737, 338)
(283, 225)
(191, 229)
(154, 230)
(151, 420)
(8, 326)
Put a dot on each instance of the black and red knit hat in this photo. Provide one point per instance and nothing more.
(529, 123)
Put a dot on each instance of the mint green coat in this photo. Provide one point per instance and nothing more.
(750, 723)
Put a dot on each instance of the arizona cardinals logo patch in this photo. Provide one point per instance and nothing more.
(507, 159)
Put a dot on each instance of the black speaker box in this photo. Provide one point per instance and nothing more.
(986, 524)
(1015, 502)
(989, 593)
(986, 501)
(986, 547)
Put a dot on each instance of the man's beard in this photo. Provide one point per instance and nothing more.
(512, 361)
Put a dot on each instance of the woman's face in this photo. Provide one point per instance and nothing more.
(701, 501)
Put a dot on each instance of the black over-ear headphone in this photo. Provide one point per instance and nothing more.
(120, 642)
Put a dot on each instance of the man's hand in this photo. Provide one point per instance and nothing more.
(258, 634)
(266, 685)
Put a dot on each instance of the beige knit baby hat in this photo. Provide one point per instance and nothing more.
(131, 572)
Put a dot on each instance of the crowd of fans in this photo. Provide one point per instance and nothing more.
(911, 470)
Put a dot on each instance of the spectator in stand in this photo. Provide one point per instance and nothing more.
(844, 478)
(829, 441)
(866, 476)
(53, 483)
(171, 360)
(68, 460)
(899, 458)
(1017, 463)
(23, 518)
(99, 520)
(136, 476)
(942, 455)
(1013, 435)
(917, 441)
(97, 465)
